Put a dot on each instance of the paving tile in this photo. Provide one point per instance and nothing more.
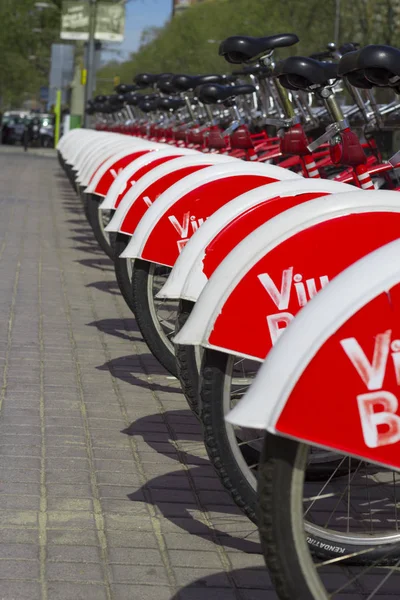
(64, 553)
(68, 571)
(73, 537)
(19, 569)
(19, 536)
(187, 576)
(10, 501)
(22, 518)
(140, 592)
(20, 590)
(18, 551)
(69, 504)
(135, 556)
(195, 558)
(72, 519)
(76, 591)
(139, 574)
(213, 593)
(135, 539)
(68, 490)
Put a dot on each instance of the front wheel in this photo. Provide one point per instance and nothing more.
(188, 360)
(99, 220)
(123, 266)
(155, 318)
(235, 451)
(311, 533)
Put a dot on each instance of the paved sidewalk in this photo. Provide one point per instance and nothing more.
(105, 488)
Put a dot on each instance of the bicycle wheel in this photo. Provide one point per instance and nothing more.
(155, 318)
(313, 536)
(123, 266)
(235, 451)
(188, 360)
(99, 220)
(83, 197)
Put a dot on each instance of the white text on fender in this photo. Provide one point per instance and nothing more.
(290, 284)
(189, 225)
(377, 407)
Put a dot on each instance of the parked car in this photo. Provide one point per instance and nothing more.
(12, 127)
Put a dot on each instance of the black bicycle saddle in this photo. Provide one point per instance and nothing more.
(213, 93)
(302, 72)
(241, 48)
(381, 65)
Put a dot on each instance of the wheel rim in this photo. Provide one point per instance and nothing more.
(198, 356)
(239, 439)
(164, 312)
(129, 268)
(246, 444)
(316, 572)
(363, 499)
(104, 219)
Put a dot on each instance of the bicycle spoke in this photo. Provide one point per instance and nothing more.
(315, 498)
(380, 585)
(258, 439)
(165, 309)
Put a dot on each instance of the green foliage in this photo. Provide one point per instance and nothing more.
(189, 42)
(25, 45)
(372, 21)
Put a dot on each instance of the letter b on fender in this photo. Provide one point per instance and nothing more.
(277, 324)
(371, 420)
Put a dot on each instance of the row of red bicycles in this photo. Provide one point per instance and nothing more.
(254, 228)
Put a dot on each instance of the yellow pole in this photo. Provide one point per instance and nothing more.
(57, 111)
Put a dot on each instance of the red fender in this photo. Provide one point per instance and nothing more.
(106, 180)
(351, 386)
(178, 224)
(97, 168)
(252, 317)
(152, 192)
(142, 171)
(245, 223)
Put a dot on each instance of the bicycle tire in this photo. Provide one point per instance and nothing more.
(123, 272)
(94, 215)
(150, 328)
(186, 363)
(222, 443)
(215, 433)
(286, 554)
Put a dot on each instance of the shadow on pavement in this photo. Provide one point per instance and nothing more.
(102, 264)
(81, 222)
(250, 584)
(89, 248)
(178, 494)
(111, 287)
(126, 367)
(85, 238)
(124, 330)
(71, 206)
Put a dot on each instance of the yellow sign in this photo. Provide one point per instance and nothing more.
(57, 110)
(83, 76)
(117, 80)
